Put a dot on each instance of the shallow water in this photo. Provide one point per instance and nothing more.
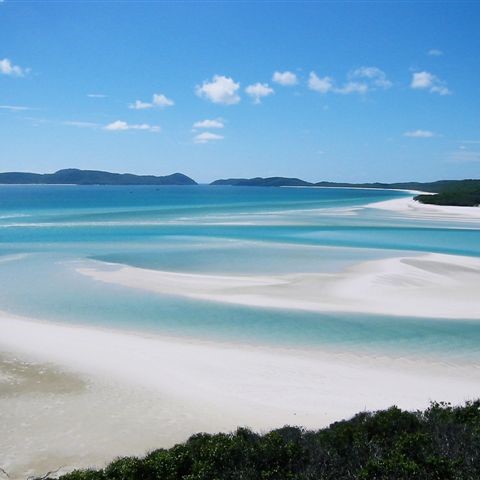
(46, 232)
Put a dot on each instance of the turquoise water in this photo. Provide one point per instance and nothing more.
(46, 232)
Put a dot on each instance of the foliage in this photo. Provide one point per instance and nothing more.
(441, 443)
(463, 193)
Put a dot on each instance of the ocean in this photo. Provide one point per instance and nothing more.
(48, 232)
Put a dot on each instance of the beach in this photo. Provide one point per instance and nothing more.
(128, 393)
(77, 395)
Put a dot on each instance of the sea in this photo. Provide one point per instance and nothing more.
(48, 231)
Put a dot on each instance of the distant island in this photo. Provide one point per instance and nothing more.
(74, 176)
(447, 192)
(264, 182)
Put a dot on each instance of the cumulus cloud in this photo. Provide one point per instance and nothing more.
(120, 125)
(139, 105)
(7, 68)
(427, 81)
(320, 85)
(209, 124)
(206, 137)
(374, 75)
(259, 90)
(419, 134)
(434, 52)
(286, 79)
(162, 101)
(352, 87)
(220, 89)
(326, 84)
(158, 100)
(360, 80)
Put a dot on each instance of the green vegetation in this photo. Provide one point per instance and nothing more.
(462, 193)
(440, 443)
(73, 176)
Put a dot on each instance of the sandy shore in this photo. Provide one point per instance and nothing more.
(74, 396)
(412, 208)
(429, 285)
(126, 393)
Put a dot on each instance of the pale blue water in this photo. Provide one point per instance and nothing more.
(208, 229)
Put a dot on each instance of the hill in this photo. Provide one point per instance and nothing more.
(73, 176)
(464, 193)
(263, 182)
(448, 192)
(434, 187)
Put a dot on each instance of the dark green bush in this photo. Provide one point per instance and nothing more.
(441, 443)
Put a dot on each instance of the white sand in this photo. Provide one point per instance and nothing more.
(93, 394)
(429, 285)
(197, 386)
(412, 208)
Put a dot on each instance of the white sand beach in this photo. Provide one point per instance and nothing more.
(77, 396)
(104, 393)
(410, 207)
(428, 285)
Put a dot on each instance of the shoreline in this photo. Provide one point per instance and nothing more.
(414, 208)
(206, 386)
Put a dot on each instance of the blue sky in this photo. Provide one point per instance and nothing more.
(355, 91)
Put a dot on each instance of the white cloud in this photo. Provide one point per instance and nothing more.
(160, 100)
(14, 108)
(326, 84)
(352, 87)
(7, 68)
(220, 89)
(206, 137)
(427, 81)
(287, 79)
(419, 134)
(360, 80)
(120, 125)
(139, 105)
(96, 95)
(80, 124)
(259, 90)
(434, 52)
(209, 124)
(321, 85)
(377, 77)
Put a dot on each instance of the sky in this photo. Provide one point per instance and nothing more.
(339, 91)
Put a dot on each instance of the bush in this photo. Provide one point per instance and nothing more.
(441, 443)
